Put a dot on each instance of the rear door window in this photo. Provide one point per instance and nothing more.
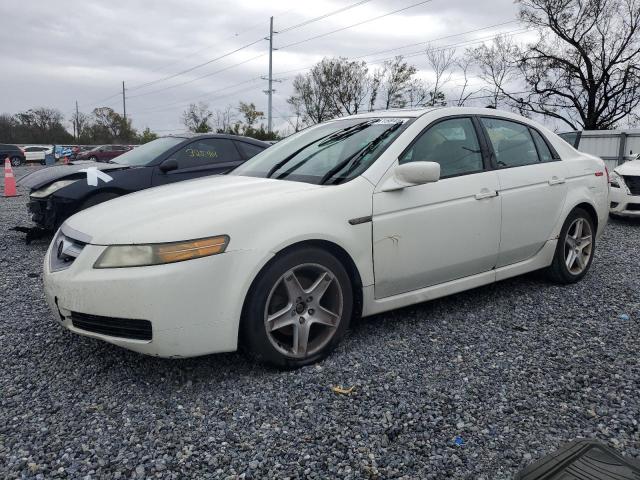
(543, 149)
(248, 149)
(512, 143)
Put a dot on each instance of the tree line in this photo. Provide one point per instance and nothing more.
(46, 126)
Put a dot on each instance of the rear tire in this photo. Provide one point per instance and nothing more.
(298, 309)
(16, 161)
(575, 249)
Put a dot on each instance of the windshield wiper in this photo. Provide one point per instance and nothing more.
(332, 136)
(347, 132)
(353, 161)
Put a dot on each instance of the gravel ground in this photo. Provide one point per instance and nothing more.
(511, 371)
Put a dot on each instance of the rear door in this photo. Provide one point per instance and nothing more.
(532, 187)
(202, 157)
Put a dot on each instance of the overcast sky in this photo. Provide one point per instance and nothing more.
(56, 52)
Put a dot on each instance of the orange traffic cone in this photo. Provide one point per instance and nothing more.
(9, 180)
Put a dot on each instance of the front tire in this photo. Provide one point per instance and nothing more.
(298, 309)
(575, 249)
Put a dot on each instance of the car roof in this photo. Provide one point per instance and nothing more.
(445, 111)
(189, 136)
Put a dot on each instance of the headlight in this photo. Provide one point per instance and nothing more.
(118, 256)
(54, 187)
(615, 180)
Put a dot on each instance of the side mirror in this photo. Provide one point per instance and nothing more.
(410, 174)
(168, 165)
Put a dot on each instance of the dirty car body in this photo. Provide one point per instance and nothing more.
(58, 192)
(355, 216)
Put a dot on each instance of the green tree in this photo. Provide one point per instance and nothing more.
(146, 136)
(196, 118)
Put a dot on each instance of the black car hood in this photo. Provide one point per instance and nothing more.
(48, 175)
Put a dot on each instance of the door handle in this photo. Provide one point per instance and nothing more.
(485, 193)
(556, 181)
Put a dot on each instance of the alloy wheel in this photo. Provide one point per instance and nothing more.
(303, 310)
(578, 246)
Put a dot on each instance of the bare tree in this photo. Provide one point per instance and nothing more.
(441, 60)
(498, 65)
(395, 82)
(224, 119)
(584, 69)
(196, 118)
(417, 93)
(375, 82)
(465, 64)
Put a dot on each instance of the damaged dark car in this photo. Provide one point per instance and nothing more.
(58, 192)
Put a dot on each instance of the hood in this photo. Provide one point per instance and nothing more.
(184, 210)
(44, 176)
(628, 168)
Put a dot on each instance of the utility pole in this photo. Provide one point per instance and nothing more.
(124, 111)
(124, 104)
(76, 127)
(270, 93)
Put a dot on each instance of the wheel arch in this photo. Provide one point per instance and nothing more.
(591, 210)
(336, 250)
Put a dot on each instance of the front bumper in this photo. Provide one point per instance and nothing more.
(194, 306)
(623, 203)
(49, 212)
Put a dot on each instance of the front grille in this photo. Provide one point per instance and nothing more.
(113, 327)
(64, 251)
(633, 182)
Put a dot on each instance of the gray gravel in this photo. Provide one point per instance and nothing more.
(511, 370)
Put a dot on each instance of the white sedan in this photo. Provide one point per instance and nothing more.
(36, 153)
(351, 217)
(625, 189)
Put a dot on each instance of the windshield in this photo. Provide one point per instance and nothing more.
(146, 153)
(329, 153)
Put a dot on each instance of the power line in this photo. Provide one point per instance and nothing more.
(200, 78)
(235, 35)
(437, 39)
(411, 45)
(322, 17)
(353, 25)
(518, 31)
(187, 101)
(198, 66)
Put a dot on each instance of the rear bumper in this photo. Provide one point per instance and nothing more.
(623, 203)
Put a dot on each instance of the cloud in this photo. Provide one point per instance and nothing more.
(71, 50)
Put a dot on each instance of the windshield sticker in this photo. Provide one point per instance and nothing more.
(192, 152)
(389, 121)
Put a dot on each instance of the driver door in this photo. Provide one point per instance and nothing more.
(429, 234)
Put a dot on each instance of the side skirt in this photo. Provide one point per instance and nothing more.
(373, 306)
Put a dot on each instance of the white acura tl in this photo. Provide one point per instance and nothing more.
(351, 217)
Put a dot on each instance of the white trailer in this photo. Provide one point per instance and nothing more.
(614, 146)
